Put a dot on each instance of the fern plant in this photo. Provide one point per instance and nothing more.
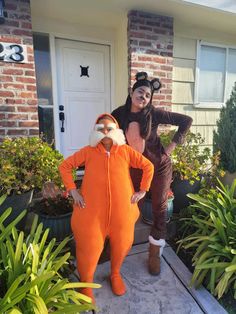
(213, 237)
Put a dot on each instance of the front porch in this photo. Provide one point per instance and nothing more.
(167, 293)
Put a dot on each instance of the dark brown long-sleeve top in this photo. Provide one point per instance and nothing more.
(153, 146)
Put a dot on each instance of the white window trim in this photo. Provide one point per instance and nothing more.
(208, 105)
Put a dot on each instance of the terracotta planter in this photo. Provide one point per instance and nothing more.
(18, 202)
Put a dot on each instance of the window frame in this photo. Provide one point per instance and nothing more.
(205, 105)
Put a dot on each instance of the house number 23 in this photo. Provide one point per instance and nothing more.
(12, 52)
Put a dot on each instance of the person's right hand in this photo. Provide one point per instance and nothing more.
(78, 198)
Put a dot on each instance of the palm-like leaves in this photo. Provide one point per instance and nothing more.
(214, 239)
(30, 273)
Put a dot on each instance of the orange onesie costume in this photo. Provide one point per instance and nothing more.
(107, 190)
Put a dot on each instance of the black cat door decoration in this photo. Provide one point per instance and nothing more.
(84, 71)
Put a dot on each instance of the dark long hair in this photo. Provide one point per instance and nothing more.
(144, 118)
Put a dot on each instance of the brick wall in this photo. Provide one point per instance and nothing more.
(18, 98)
(150, 49)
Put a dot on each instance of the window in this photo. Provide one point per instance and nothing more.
(44, 85)
(215, 75)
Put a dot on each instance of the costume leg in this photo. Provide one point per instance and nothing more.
(89, 243)
(121, 240)
(159, 191)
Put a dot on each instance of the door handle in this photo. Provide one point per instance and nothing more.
(62, 119)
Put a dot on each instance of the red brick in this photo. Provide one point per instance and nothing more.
(166, 68)
(138, 64)
(7, 109)
(28, 80)
(25, 94)
(30, 58)
(6, 78)
(166, 91)
(14, 101)
(27, 109)
(6, 94)
(26, 25)
(145, 58)
(2, 132)
(32, 102)
(7, 124)
(21, 32)
(24, 65)
(33, 132)
(159, 60)
(12, 71)
(30, 73)
(12, 23)
(31, 124)
(17, 116)
(2, 116)
(34, 117)
(10, 6)
(13, 86)
(16, 132)
(10, 39)
(31, 88)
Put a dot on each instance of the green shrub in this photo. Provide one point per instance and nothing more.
(30, 276)
(26, 164)
(213, 238)
(224, 138)
(189, 160)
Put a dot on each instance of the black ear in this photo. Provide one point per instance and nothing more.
(141, 76)
(156, 84)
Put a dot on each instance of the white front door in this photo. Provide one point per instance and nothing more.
(83, 71)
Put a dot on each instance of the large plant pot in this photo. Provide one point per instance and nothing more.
(18, 202)
(146, 210)
(180, 189)
(59, 226)
(228, 179)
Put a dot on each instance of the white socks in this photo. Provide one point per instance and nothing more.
(160, 242)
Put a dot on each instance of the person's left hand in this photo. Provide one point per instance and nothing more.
(137, 196)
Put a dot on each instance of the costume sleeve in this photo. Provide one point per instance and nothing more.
(68, 165)
(182, 121)
(137, 160)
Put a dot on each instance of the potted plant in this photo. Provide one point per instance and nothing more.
(146, 208)
(26, 164)
(190, 163)
(55, 213)
(224, 138)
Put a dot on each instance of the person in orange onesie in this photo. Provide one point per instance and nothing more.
(106, 205)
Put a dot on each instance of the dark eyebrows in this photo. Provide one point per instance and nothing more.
(144, 91)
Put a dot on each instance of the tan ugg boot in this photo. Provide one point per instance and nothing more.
(154, 266)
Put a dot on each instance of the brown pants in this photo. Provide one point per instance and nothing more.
(159, 192)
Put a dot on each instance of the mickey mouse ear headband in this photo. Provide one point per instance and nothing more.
(142, 80)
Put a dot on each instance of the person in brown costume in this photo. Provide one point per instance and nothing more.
(139, 120)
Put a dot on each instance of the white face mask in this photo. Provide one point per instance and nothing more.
(100, 126)
(115, 134)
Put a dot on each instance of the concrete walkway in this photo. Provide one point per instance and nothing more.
(168, 293)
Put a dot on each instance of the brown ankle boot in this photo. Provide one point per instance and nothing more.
(154, 267)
